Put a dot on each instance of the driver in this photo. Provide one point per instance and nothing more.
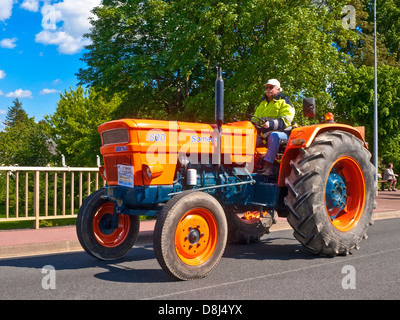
(281, 113)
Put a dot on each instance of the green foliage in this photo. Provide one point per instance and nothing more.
(162, 54)
(156, 59)
(388, 26)
(361, 49)
(23, 141)
(73, 126)
(354, 95)
(16, 114)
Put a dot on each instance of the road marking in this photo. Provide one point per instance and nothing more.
(270, 275)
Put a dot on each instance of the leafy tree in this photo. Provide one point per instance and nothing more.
(388, 34)
(354, 95)
(23, 141)
(388, 26)
(73, 126)
(16, 114)
(162, 54)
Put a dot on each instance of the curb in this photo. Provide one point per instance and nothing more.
(145, 237)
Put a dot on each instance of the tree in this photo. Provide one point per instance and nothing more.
(354, 91)
(388, 26)
(16, 114)
(23, 141)
(354, 96)
(73, 126)
(162, 54)
(388, 34)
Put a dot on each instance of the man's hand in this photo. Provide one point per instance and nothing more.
(266, 124)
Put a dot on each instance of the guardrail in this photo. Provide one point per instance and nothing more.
(44, 193)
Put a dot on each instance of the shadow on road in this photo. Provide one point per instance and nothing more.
(121, 270)
(270, 248)
(134, 267)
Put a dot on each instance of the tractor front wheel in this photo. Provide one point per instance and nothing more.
(97, 231)
(190, 235)
(331, 194)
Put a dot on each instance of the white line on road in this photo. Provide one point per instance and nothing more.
(269, 275)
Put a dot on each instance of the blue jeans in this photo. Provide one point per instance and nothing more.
(273, 142)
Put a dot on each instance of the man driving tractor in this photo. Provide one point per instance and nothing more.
(280, 114)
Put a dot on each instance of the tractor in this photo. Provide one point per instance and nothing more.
(202, 182)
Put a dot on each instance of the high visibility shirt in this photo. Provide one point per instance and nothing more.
(277, 108)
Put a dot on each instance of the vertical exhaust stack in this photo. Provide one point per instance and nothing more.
(219, 99)
(219, 114)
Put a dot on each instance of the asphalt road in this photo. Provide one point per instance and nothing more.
(276, 268)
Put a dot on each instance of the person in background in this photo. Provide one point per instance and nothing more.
(390, 176)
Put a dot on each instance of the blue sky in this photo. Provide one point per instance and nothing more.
(41, 45)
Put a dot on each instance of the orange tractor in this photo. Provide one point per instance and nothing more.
(202, 182)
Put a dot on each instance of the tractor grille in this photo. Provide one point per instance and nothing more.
(111, 163)
(120, 135)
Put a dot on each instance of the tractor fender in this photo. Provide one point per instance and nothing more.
(302, 137)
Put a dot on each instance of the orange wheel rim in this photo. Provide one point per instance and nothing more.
(196, 236)
(107, 235)
(345, 194)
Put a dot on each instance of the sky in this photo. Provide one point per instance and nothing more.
(41, 45)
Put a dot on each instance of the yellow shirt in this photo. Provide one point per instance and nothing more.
(276, 108)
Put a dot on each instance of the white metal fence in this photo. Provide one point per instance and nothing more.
(44, 193)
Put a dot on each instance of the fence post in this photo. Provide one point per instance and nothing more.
(7, 193)
(36, 197)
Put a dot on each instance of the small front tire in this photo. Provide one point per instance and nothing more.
(95, 232)
(190, 235)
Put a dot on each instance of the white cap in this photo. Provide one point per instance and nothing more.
(273, 82)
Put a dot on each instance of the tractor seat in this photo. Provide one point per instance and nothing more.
(282, 147)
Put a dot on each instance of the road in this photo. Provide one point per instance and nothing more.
(276, 268)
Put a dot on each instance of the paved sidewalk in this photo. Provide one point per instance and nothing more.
(17, 243)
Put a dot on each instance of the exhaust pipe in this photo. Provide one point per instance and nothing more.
(219, 115)
(219, 99)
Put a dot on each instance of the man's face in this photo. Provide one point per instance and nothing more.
(271, 91)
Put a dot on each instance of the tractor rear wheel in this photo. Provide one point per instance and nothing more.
(331, 193)
(190, 235)
(244, 228)
(95, 230)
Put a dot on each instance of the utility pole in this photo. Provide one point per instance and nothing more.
(375, 101)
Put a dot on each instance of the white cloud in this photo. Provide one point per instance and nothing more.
(66, 43)
(2, 74)
(2, 111)
(5, 9)
(64, 24)
(48, 91)
(1, 93)
(19, 93)
(8, 43)
(30, 5)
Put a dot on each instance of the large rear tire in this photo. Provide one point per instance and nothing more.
(95, 231)
(331, 194)
(190, 235)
